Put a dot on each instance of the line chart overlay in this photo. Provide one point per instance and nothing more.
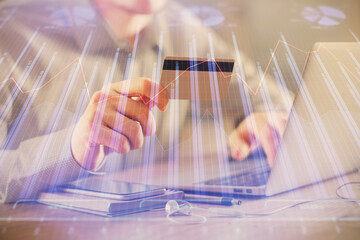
(254, 92)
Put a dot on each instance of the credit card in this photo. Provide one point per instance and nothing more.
(197, 79)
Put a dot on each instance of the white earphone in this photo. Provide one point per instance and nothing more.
(173, 208)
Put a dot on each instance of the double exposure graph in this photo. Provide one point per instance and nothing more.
(208, 16)
(61, 68)
(5, 16)
(74, 16)
(253, 91)
(323, 15)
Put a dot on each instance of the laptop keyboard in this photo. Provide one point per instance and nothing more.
(251, 179)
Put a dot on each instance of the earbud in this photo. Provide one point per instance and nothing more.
(173, 207)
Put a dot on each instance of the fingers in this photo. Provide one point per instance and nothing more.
(128, 107)
(240, 149)
(278, 121)
(134, 110)
(265, 129)
(269, 141)
(131, 129)
(115, 121)
(148, 91)
(111, 139)
(272, 133)
(100, 138)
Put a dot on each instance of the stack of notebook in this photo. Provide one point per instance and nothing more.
(106, 206)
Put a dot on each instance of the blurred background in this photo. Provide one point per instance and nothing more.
(259, 24)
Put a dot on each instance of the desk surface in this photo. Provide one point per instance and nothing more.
(317, 220)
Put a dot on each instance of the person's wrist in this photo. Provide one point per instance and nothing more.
(86, 154)
(90, 165)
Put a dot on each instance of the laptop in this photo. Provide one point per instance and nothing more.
(322, 137)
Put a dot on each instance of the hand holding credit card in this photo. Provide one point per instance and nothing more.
(194, 79)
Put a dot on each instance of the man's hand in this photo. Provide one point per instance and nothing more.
(258, 129)
(117, 119)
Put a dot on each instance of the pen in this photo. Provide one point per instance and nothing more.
(224, 201)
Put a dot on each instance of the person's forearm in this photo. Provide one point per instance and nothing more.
(33, 167)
